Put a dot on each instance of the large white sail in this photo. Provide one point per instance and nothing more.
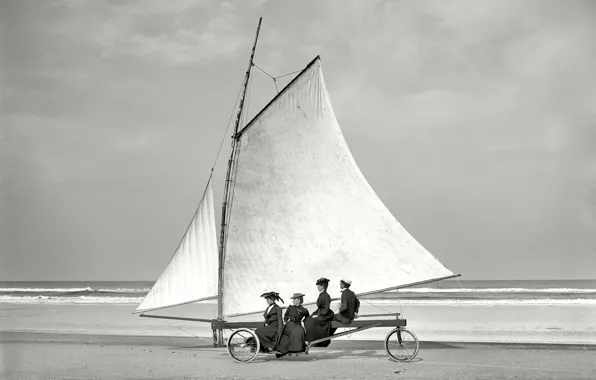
(191, 274)
(301, 209)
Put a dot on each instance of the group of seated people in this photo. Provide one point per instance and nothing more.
(291, 337)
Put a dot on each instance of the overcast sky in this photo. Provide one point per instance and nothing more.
(474, 121)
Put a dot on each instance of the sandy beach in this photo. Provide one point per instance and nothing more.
(108, 342)
(560, 324)
(85, 356)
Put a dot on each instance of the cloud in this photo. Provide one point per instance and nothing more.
(184, 47)
(144, 140)
(177, 33)
(45, 151)
(139, 7)
(486, 69)
(454, 110)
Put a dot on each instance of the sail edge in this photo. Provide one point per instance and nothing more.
(206, 200)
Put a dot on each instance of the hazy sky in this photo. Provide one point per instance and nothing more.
(474, 121)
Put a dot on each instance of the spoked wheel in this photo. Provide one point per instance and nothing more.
(401, 344)
(243, 345)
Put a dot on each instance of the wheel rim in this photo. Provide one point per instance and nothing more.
(405, 350)
(243, 346)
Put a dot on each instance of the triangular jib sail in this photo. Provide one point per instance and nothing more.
(191, 274)
(301, 209)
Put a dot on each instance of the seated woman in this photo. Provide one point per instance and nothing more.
(270, 333)
(319, 324)
(292, 338)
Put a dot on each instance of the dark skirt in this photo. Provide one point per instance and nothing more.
(317, 328)
(292, 338)
(267, 336)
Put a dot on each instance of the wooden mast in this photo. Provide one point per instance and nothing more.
(224, 208)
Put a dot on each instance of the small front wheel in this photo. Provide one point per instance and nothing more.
(243, 345)
(401, 344)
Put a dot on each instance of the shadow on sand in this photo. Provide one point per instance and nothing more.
(336, 350)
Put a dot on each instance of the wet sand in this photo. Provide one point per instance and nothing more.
(107, 342)
(84, 356)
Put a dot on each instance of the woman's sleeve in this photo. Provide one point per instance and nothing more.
(306, 313)
(344, 302)
(325, 304)
(280, 322)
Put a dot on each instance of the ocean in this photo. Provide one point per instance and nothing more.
(445, 292)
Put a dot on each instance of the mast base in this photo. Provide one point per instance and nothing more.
(218, 339)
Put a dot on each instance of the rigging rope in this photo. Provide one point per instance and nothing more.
(181, 329)
(460, 285)
(223, 139)
(249, 84)
(377, 306)
(275, 78)
(285, 75)
(243, 121)
(234, 167)
(401, 311)
(349, 336)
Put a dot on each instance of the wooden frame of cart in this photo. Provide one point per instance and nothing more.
(243, 345)
(400, 343)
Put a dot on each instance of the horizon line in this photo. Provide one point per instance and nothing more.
(451, 280)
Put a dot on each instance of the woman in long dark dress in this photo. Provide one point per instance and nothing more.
(318, 325)
(270, 333)
(292, 338)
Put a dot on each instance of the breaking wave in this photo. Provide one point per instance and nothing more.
(480, 302)
(71, 300)
(445, 302)
(497, 290)
(74, 290)
(134, 292)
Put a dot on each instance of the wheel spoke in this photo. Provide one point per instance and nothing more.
(406, 350)
(406, 345)
(243, 345)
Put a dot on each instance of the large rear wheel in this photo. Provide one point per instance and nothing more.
(243, 345)
(401, 344)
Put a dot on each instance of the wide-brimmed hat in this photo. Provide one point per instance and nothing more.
(296, 295)
(346, 281)
(274, 295)
(322, 280)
